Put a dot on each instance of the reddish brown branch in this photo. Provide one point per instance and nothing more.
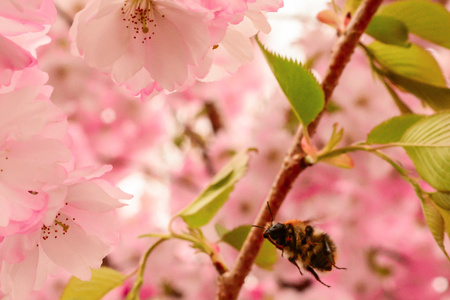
(231, 282)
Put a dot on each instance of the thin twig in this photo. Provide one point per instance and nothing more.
(198, 141)
(231, 282)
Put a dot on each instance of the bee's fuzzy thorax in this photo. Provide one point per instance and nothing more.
(301, 242)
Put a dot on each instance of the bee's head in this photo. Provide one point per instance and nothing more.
(276, 234)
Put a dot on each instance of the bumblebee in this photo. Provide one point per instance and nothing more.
(300, 241)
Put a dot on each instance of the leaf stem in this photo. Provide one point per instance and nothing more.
(134, 293)
(199, 241)
(370, 148)
(376, 150)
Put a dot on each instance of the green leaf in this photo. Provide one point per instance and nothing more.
(102, 281)
(435, 222)
(426, 19)
(298, 84)
(335, 139)
(413, 69)
(199, 212)
(441, 199)
(412, 62)
(221, 230)
(438, 98)
(445, 213)
(442, 203)
(428, 145)
(267, 256)
(388, 30)
(392, 130)
(344, 161)
(332, 107)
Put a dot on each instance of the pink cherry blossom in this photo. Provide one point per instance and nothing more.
(21, 210)
(76, 233)
(256, 13)
(27, 110)
(233, 51)
(33, 150)
(235, 48)
(166, 43)
(21, 115)
(25, 167)
(12, 58)
(26, 16)
(151, 46)
(27, 22)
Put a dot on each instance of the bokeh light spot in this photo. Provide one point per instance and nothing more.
(440, 284)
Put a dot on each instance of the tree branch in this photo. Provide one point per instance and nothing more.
(231, 282)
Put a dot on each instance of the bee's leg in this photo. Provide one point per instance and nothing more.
(316, 276)
(338, 267)
(293, 260)
(330, 256)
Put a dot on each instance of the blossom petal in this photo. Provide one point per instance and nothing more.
(102, 225)
(76, 251)
(28, 165)
(91, 197)
(102, 39)
(21, 211)
(20, 116)
(12, 58)
(17, 280)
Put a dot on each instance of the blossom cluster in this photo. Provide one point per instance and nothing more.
(151, 46)
(57, 212)
(54, 214)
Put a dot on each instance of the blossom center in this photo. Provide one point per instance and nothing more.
(58, 227)
(139, 16)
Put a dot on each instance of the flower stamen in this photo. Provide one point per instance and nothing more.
(65, 227)
(138, 14)
(52, 230)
